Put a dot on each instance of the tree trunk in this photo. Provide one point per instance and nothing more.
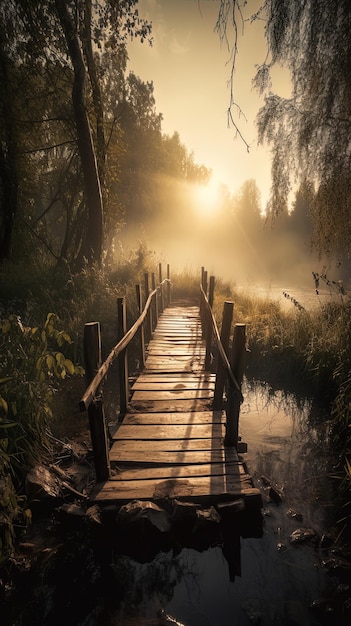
(96, 91)
(94, 236)
(8, 162)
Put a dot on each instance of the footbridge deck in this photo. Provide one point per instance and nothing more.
(170, 443)
(176, 442)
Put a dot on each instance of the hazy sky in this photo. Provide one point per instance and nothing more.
(190, 71)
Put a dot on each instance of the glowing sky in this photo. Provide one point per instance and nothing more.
(190, 71)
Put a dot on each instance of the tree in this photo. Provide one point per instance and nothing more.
(8, 143)
(308, 132)
(67, 32)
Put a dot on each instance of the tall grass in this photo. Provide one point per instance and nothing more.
(43, 311)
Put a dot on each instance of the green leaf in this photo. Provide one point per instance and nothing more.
(8, 424)
(69, 366)
(60, 358)
(6, 327)
(3, 404)
(5, 380)
(50, 362)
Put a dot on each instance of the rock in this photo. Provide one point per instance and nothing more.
(205, 516)
(300, 535)
(138, 510)
(165, 619)
(326, 541)
(41, 484)
(294, 514)
(72, 515)
(274, 495)
(93, 514)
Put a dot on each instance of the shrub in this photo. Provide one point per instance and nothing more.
(31, 359)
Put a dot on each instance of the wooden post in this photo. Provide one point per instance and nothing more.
(142, 332)
(149, 315)
(98, 433)
(155, 303)
(99, 443)
(234, 396)
(211, 291)
(122, 358)
(92, 350)
(169, 297)
(204, 309)
(161, 287)
(209, 325)
(227, 318)
(201, 297)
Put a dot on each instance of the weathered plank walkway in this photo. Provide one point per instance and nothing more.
(170, 444)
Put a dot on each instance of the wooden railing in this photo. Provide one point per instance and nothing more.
(230, 367)
(92, 400)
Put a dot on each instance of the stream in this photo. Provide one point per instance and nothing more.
(280, 583)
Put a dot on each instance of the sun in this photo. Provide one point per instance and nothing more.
(207, 198)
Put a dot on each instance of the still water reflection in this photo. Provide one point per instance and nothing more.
(278, 581)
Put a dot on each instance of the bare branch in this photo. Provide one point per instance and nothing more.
(40, 238)
(48, 148)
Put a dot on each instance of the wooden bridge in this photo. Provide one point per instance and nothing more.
(174, 440)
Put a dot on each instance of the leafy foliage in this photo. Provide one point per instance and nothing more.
(309, 132)
(31, 359)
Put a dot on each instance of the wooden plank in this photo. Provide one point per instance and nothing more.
(158, 394)
(159, 457)
(183, 377)
(177, 359)
(184, 351)
(169, 432)
(204, 417)
(154, 406)
(134, 446)
(180, 471)
(168, 385)
(175, 367)
(196, 487)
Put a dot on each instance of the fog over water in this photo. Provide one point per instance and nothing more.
(190, 226)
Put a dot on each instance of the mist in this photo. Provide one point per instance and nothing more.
(190, 225)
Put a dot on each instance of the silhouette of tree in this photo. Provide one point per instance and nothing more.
(309, 132)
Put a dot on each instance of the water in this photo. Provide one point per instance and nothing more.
(278, 581)
(306, 297)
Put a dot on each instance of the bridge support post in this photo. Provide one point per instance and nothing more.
(142, 331)
(149, 314)
(153, 287)
(227, 318)
(209, 325)
(234, 395)
(161, 287)
(122, 358)
(203, 307)
(97, 424)
(169, 299)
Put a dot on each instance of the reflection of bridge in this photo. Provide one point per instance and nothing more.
(173, 439)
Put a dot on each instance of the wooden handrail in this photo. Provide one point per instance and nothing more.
(219, 344)
(91, 390)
